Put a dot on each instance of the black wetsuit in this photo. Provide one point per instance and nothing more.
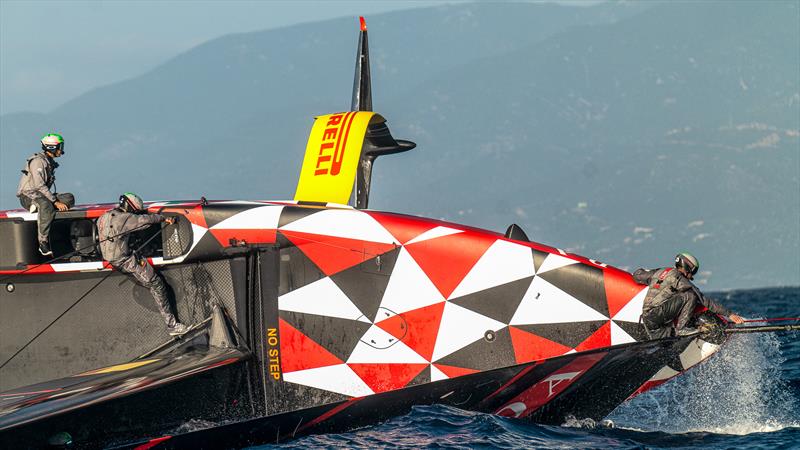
(671, 296)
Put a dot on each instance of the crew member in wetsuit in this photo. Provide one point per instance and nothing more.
(114, 228)
(33, 191)
(673, 296)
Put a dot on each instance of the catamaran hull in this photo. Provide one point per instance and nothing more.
(587, 385)
(582, 385)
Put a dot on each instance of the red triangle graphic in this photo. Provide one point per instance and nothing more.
(452, 371)
(530, 347)
(387, 377)
(446, 260)
(334, 254)
(620, 289)
(599, 339)
(194, 215)
(299, 352)
(417, 328)
(403, 228)
(250, 236)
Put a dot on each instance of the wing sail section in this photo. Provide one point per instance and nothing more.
(342, 147)
(332, 157)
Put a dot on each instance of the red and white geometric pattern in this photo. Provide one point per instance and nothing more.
(403, 300)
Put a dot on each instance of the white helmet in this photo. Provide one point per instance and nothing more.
(131, 202)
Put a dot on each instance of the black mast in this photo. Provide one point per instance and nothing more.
(379, 140)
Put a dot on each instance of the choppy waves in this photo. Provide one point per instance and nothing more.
(739, 391)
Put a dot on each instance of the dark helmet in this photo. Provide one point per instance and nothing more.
(131, 202)
(687, 262)
(52, 142)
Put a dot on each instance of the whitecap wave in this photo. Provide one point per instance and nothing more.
(738, 391)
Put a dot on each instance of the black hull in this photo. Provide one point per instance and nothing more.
(115, 321)
(596, 393)
(252, 402)
(121, 411)
(220, 396)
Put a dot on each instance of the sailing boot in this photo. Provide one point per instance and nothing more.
(178, 329)
(44, 248)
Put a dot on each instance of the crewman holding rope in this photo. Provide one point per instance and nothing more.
(38, 177)
(114, 228)
(673, 297)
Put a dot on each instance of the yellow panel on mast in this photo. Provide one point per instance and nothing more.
(332, 157)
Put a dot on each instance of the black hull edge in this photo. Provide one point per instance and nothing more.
(614, 374)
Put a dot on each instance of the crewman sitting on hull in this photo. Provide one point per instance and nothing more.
(673, 296)
(33, 191)
(114, 228)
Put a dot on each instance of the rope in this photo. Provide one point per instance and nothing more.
(158, 232)
(779, 319)
(86, 293)
(68, 255)
(56, 320)
(763, 329)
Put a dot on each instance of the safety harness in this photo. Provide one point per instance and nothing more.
(51, 170)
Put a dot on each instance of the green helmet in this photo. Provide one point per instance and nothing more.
(52, 142)
(131, 202)
(687, 262)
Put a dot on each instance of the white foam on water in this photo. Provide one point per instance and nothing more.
(737, 391)
(194, 425)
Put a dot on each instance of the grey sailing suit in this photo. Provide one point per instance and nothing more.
(114, 229)
(671, 295)
(38, 177)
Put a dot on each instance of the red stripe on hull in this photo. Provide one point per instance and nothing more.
(542, 392)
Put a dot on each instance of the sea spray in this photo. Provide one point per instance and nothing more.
(737, 391)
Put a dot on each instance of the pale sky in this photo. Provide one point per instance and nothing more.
(53, 51)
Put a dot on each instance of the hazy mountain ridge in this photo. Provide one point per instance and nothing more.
(633, 160)
(242, 89)
(673, 127)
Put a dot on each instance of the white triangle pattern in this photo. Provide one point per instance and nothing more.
(698, 350)
(619, 336)
(632, 311)
(343, 223)
(459, 328)
(434, 233)
(396, 352)
(555, 261)
(321, 297)
(502, 263)
(339, 378)
(265, 217)
(552, 306)
(409, 287)
(663, 374)
(437, 374)
(197, 233)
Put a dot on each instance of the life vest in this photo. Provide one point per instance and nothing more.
(27, 186)
(662, 287)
